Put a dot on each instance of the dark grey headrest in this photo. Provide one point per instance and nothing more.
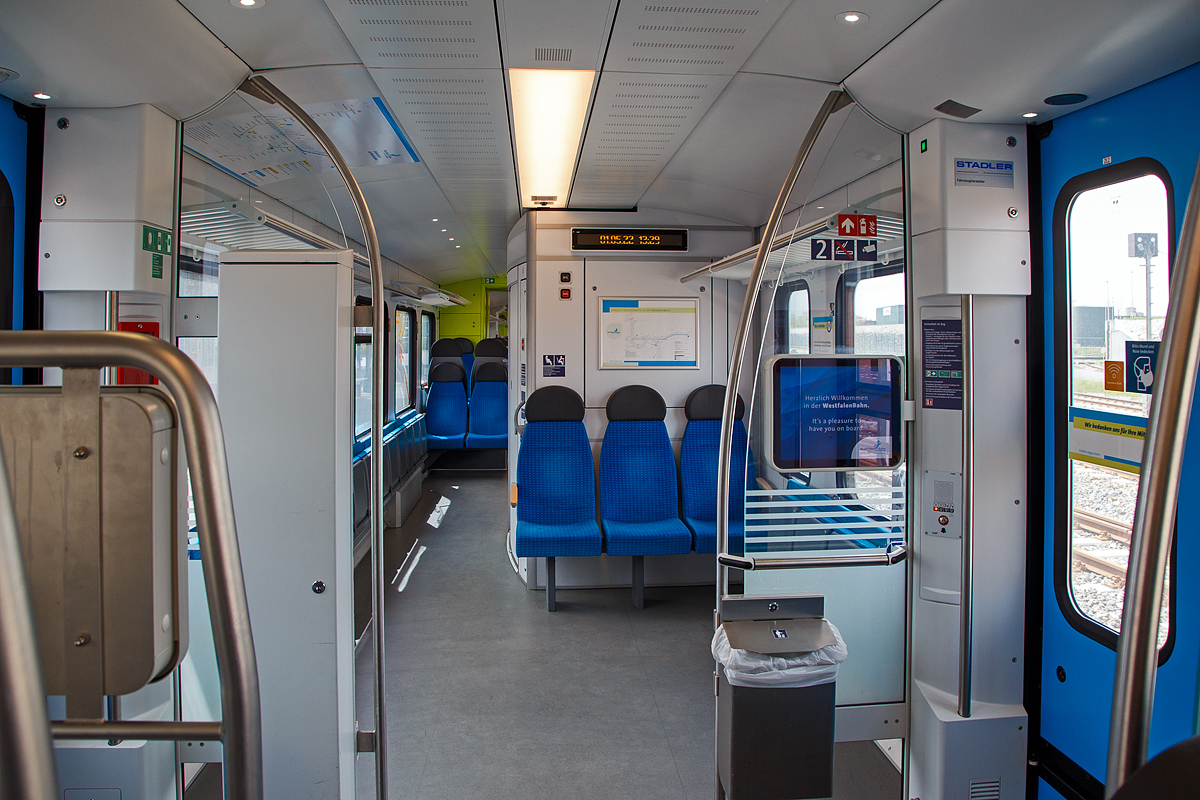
(554, 404)
(447, 372)
(490, 371)
(491, 347)
(636, 403)
(446, 347)
(708, 402)
(467, 345)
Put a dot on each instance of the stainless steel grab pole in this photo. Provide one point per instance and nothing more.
(1154, 518)
(27, 770)
(200, 424)
(138, 730)
(966, 621)
(836, 100)
(894, 554)
(259, 86)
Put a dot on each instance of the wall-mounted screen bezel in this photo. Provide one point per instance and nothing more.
(634, 239)
(786, 376)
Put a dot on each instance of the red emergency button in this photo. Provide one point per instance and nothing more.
(564, 294)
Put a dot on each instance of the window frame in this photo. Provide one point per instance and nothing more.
(847, 285)
(1071, 190)
(413, 349)
(424, 371)
(781, 315)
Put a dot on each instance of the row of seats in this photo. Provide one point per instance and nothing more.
(470, 357)
(639, 483)
(404, 447)
(457, 421)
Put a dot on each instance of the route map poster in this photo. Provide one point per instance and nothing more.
(649, 333)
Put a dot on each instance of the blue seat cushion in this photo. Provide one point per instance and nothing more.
(706, 534)
(539, 540)
(657, 537)
(445, 442)
(487, 440)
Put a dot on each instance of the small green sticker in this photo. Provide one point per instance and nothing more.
(156, 240)
(156, 266)
(489, 280)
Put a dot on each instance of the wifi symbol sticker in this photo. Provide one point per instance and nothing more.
(1114, 376)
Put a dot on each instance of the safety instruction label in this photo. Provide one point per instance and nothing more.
(1110, 440)
(1141, 359)
(554, 366)
(983, 172)
(942, 364)
(156, 240)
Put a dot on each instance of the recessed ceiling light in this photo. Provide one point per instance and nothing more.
(6, 74)
(452, 238)
(443, 230)
(435, 219)
(458, 245)
(247, 3)
(1029, 114)
(549, 108)
(852, 17)
(41, 95)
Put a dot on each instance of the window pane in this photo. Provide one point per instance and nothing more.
(798, 322)
(1117, 262)
(879, 315)
(426, 344)
(198, 273)
(362, 380)
(203, 351)
(403, 358)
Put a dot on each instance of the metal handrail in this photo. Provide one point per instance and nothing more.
(894, 554)
(200, 425)
(27, 769)
(835, 101)
(1154, 518)
(966, 595)
(260, 87)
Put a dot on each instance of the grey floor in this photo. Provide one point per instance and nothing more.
(490, 696)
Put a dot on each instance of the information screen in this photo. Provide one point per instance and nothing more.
(628, 239)
(836, 413)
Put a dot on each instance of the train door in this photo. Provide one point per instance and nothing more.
(1114, 183)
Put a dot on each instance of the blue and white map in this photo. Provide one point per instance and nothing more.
(655, 333)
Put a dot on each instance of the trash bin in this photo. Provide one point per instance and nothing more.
(775, 707)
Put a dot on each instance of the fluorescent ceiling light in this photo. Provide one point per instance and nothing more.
(549, 109)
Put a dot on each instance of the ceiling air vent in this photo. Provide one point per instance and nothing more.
(552, 54)
(953, 109)
(985, 790)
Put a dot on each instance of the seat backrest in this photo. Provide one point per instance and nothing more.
(468, 352)
(638, 480)
(446, 414)
(445, 351)
(488, 351)
(556, 476)
(699, 455)
(489, 400)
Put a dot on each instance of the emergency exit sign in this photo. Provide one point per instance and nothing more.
(156, 240)
(857, 225)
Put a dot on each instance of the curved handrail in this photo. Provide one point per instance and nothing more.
(894, 554)
(204, 443)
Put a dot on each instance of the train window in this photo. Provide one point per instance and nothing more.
(1113, 238)
(427, 337)
(198, 272)
(404, 347)
(362, 380)
(792, 319)
(203, 351)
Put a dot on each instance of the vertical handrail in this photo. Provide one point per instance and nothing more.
(1154, 518)
(260, 87)
(27, 769)
(966, 593)
(835, 101)
(200, 424)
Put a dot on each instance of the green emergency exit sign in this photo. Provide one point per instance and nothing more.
(156, 240)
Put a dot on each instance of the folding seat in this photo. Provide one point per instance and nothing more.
(488, 421)
(446, 414)
(639, 494)
(698, 461)
(555, 492)
(489, 351)
(468, 352)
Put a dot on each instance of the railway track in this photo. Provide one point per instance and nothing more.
(1103, 528)
(1110, 402)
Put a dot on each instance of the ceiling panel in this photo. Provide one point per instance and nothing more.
(1029, 50)
(560, 34)
(700, 38)
(638, 121)
(809, 41)
(313, 36)
(426, 34)
(116, 53)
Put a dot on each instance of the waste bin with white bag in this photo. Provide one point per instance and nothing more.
(775, 705)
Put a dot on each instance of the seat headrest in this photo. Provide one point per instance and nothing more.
(446, 347)
(636, 403)
(490, 371)
(708, 402)
(554, 404)
(447, 373)
(493, 348)
(467, 345)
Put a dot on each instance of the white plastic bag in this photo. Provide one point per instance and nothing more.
(747, 668)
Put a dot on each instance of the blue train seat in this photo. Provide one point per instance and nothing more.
(698, 457)
(446, 413)
(639, 486)
(468, 353)
(487, 424)
(555, 491)
(489, 351)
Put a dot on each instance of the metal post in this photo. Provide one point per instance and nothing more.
(967, 578)
(1149, 327)
(200, 424)
(27, 769)
(262, 88)
(835, 101)
(1154, 518)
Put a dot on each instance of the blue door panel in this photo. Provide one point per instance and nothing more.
(1046, 793)
(1160, 120)
(13, 138)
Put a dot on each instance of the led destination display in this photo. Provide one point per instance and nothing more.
(629, 239)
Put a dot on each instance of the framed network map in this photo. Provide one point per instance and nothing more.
(649, 333)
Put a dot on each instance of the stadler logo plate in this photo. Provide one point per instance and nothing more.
(982, 172)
